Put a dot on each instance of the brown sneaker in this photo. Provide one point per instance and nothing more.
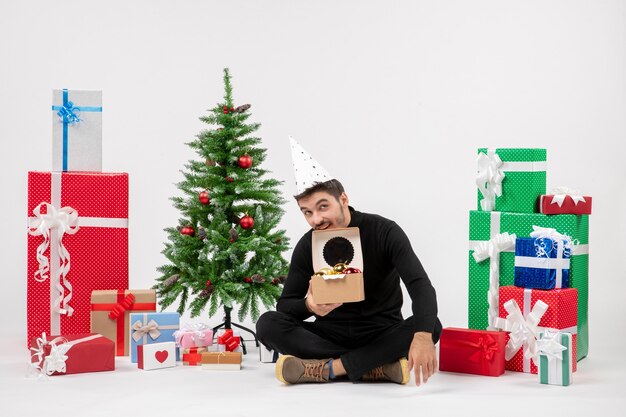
(292, 370)
(397, 372)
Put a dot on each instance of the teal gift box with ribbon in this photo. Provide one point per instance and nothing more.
(555, 358)
(148, 328)
(76, 130)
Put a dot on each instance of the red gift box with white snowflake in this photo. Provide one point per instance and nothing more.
(82, 216)
(525, 313)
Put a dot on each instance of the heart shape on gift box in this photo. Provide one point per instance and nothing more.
(161, 355)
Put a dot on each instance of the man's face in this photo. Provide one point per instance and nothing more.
(322, 211)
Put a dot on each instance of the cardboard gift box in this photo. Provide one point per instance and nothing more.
(330, 248)
(72, 354)
(149, 328)
(525, 313)
(542, 263)
(555, 358)
(484, 227)
(193, 356)
(82, 215)
(222, 360)
(110, 310)
(76, 130)
(564, 203)
(156, 356)
(510, 179)
(479, 352)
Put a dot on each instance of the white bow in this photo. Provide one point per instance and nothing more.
(560, 193)
(523, 331)
(64, 220)
(549, 345)
(489, 178)
(55, 360)
(491, 249)
(152, 328)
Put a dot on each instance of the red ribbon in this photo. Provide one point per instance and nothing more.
(486, 348)
(124, 303)
(193, 358)
(231, 342)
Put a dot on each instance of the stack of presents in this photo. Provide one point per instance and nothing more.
(81, 315)
(528, 274)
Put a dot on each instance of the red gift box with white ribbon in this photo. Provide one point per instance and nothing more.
(72, 354)
(82, 216)
(562, 200)
(525, 313)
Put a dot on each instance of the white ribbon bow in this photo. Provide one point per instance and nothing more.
(139, 330)
(523, 331)
(491, 249)
(560, 241)
(489, 178)
(64, 220)
(549, 345)
(560, 193)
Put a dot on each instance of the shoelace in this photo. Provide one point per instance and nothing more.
(314, 370)
(377, 373)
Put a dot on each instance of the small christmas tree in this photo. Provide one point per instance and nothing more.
(226, 250)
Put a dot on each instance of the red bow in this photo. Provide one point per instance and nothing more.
(227, 339)
(121, 307)
(486, 348)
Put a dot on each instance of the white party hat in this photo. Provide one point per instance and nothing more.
(306, 169)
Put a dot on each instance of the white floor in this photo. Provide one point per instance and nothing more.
(599, 386)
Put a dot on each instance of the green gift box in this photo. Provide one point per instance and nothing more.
(485, 225)
(517, 175)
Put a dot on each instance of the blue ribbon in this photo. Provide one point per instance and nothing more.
(67, 114)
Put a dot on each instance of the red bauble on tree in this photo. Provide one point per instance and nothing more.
(188, 230)
(229, 179)
(204, 197)
(246, 222)
(248, 280)
(245, 161)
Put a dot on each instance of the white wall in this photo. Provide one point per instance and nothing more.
(392, 97)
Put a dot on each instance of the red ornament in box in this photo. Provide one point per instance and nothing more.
(72, 354)
(479, 352)
(246, 222)
(519, 309)
(83, 215)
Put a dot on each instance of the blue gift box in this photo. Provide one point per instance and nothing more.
(541, 263)
(148, 328)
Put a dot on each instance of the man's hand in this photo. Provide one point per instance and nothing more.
(422, 356)
(318, 309)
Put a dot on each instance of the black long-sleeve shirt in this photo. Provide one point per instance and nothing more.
(387, 257)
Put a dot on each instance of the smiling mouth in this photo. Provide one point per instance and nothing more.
(324, 226)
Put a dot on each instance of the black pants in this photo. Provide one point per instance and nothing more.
(361, 345)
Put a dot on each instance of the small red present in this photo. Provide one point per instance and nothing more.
(564, 201)
(525, 312)
(479, 352)
(72, 354)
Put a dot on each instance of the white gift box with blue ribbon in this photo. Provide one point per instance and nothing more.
(76, 130)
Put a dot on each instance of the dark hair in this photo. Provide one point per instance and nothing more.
(332, 187)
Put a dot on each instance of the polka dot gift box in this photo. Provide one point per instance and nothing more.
(510, 179)
(82, 216)
(525, 313)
